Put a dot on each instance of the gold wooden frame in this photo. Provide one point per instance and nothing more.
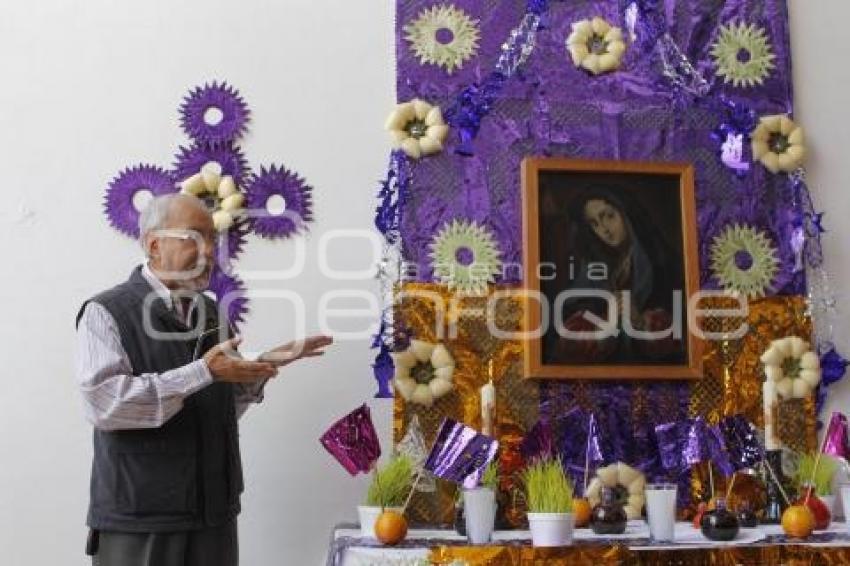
(533, 366)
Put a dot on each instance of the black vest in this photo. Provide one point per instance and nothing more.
(186, 474)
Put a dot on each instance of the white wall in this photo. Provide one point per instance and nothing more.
(90, 86)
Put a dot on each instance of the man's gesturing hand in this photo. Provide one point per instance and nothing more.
(225, 364)
(295, 350)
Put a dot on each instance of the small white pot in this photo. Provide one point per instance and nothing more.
(368, 515)
(479, 509)
(551, 529)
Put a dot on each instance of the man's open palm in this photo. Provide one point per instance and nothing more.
(295, 350)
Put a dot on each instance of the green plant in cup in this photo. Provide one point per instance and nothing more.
(547, 487)
(391, 484)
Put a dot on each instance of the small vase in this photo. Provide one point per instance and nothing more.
(818, 508)
(609, 517)
(479, 506)
(719, 524)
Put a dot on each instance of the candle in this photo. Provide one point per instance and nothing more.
(769, 399)
(488, 407)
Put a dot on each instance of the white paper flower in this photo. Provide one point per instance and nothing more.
(423, 372)
(742, 54)
(221, 194)
(465, 257)
(444, 36)
(794, 367)
(596, 46)
(417, 128)
(744, 260)
(779, 144)
(628, 484)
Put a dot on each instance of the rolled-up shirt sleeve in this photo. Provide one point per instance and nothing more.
(113, 396)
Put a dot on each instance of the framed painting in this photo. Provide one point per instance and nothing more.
(610, 264)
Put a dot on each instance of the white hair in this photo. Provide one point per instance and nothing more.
(155, 214)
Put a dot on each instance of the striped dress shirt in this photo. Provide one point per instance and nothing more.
(115, 398)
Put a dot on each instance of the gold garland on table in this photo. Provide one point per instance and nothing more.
(580, 554)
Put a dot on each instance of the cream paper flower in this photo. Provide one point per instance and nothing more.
(744, 261)
(220, 193)
(443, 36)
(628, 484)
(465, 257)
(596, 46)
(423, 372)
(794, 367)
(779, 144)
(742, 54)
(417, 128)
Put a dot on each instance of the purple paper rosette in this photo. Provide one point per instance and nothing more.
(297, 199)
(229, 290)
(222, 97)
(189, 160)
(231, 244)
(118, 204)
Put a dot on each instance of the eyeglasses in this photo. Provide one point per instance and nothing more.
(198, 237)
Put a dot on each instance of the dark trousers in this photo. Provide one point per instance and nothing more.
(215, 546)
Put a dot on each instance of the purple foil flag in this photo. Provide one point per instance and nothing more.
(460, 454)
(594, 450)
(572, 439)
(741, 441)
(671, 437)
(686, 443)
(835, 438)
(352, 440)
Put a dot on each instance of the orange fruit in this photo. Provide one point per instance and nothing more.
(798, 521)
(581, 510)
(390, 528)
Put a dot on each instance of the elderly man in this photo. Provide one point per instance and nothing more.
(164, 397)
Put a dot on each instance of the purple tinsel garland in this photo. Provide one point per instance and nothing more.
(393, 196)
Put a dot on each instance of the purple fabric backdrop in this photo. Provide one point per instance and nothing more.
(552, 108)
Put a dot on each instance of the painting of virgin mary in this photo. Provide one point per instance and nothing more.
(611, 247)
